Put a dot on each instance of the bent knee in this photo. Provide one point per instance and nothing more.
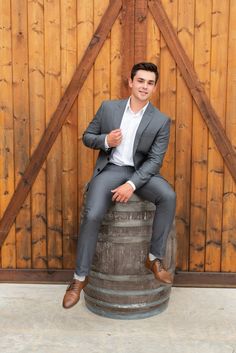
(169, 196)
(93, 215)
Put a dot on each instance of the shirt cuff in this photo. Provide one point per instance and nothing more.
(132, 184)
(106, 144)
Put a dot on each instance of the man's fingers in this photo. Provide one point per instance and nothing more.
(116, 197)
(115, 132)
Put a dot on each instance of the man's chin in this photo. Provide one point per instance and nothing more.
(144, 98)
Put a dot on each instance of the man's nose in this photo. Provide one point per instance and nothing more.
(145, 85)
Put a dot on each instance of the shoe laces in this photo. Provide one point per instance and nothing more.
(73, 286)
(160, 265)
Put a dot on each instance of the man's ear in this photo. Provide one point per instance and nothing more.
(130, 82)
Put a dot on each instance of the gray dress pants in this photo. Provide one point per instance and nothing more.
(98, 199)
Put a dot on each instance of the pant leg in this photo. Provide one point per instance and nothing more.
(98, 199)
(158, 191)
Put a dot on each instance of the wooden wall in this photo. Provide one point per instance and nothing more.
(41, 43)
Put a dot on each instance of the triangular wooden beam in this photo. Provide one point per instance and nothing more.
(59, 118)
(186, 68)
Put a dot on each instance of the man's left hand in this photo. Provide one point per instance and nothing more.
(122, 193)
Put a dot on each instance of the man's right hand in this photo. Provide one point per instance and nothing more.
(114, 138)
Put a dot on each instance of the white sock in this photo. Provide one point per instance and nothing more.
(152, 257)
(80, 278)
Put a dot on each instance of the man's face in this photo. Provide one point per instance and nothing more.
(143, 85)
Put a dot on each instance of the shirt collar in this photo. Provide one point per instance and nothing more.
(141, 111)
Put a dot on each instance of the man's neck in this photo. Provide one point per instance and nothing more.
(136, 104)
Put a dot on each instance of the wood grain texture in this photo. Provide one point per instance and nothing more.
(69, 134)
(85, 31)
(116, 68)
(8, 251)
(118, 264)
(58, 119)
(194, 85)
(61, 276)
(140, 31)
(198, 206)
(220, 12)
(228, 262)
(28, 73)
(102, 65)
(153, 39)
(37, 128)
(21, 125)
(168, 90)
(127, 50)
(54, 158)
(184, 106)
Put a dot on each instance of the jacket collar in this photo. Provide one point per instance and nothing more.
(147, 117)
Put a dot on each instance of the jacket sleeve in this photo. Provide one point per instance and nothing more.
(153, 162)
(92, 137)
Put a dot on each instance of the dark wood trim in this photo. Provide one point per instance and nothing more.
(140, 31)
(58, 118)
(192, 81)
(59, 276)
(36, 276)
(205, 279)
(127, 45)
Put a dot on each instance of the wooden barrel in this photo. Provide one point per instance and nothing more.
(119, 285)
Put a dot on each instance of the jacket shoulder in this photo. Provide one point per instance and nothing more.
(161, 116)
(113, 102)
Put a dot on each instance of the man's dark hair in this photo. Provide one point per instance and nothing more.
(144, 66)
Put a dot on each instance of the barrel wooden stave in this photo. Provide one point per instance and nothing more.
(119, 284)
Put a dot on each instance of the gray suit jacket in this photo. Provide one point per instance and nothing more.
(150, 144)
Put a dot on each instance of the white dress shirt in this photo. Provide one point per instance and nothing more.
(122, 155)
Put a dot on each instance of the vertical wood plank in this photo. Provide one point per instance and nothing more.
(220, 12)
(127, 50)
(202, 45)
(54, 164)
(21, 124)
(8, 253)
(140, 31)
(183, 137)
(116, 58)
(102, 64)
(228, 258)
(69, 135)
(153, 51)
(85, 30)
(37, 127)
(168, 72)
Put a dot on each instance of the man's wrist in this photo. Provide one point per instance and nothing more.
(132, 184)
(106, 143)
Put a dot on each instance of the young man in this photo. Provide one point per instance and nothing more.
(132, 136)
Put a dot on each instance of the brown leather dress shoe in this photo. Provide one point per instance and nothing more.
(161, 274)
(73, 291)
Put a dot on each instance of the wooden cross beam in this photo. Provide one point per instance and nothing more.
(199, 95)
(58, 118)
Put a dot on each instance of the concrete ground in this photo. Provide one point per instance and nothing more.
(198, 320)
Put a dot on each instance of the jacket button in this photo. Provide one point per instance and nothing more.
(98, 169)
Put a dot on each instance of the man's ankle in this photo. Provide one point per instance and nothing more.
(79, 278)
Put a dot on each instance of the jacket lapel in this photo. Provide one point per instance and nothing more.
(146, 118)
(119, 112)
